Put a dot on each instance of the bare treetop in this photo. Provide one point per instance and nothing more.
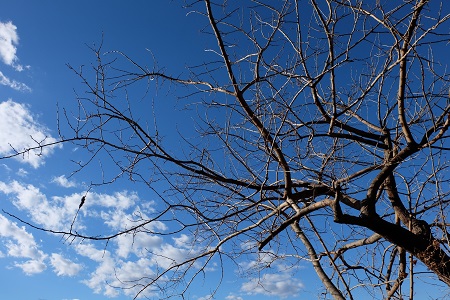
(320, 134)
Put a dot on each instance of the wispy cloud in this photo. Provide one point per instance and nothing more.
(22, 172)
(18, 86)
(21, 131)
(282, 284)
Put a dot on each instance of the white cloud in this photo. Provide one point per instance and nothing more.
(63, 266)
(21, 131)
(105, 270)
(113, 276)
(89, 251)
(118, 219)
(207, 297)
(98, 280)
(64, 182)
(281, 285)
(119, 200)
(123, 267)
(168, 255)
(57, 212)
(53, 215)
(135, 275)
(21, 244)
(139, 244)
(32, 267)
(182, 241)
(262, 260)
(233, 297)
(278, 281)
(9, 39)
(117, 271)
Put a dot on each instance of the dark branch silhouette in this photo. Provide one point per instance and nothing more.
(320, 134)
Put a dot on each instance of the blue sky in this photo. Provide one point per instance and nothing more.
(37, 40)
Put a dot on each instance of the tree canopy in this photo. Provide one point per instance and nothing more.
(313, 131)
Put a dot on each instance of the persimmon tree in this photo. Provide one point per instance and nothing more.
(321, 129)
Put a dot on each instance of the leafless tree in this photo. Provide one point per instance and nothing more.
(321, 133)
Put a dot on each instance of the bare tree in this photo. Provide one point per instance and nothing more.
(321, 130)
